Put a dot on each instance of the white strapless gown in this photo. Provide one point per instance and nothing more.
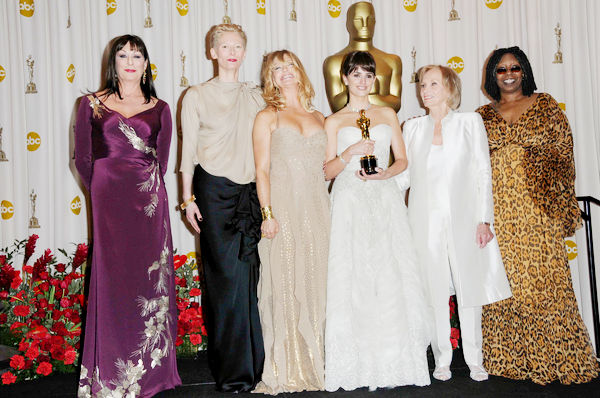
(377, 328)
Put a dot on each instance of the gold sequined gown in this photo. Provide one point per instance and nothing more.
(537, 334)
(293, 273)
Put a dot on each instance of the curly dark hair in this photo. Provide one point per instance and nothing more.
(491, 85)
(358, 59)
(111, 82)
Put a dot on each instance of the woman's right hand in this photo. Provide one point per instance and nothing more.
(362, 147)
(269, 228)
(192, 213)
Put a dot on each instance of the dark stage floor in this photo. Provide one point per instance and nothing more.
(197, 382)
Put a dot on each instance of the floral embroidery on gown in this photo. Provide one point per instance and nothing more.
(131, 324)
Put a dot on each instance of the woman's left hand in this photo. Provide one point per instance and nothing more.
(380, 175)
(483, 235)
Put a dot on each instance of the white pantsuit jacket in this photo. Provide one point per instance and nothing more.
(479, 274)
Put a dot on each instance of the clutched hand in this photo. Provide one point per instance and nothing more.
(483, 235)
(380, 175)
(269, 228)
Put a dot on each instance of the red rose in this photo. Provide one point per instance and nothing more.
(28, 269)
(195, 339)
(3, 319)
(23, 345)
(17, 362)
(15, 326)
(44, 286)
(58, 353)
(197, 278)
(203, 330)
(32, 352)
(195, 292)
(455, 333)
(70, 356)
(60, 267)
(45, 368)
(38, 332)
(3, 295)
(65, 302)
(57, 340)
(178, 341)
(46, 345)
(43, 303)
(8, 378)
(16, 282)
(21, 310)
(454, 343)
(179, 260)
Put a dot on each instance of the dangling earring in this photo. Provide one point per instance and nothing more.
(144, 78)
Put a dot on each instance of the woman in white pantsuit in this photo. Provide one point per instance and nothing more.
(451, 212)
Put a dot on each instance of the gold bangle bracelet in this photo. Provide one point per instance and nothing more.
(267, 213)
(187, 202)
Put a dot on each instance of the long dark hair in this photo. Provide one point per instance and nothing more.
(491, 85)
(358, 59)
(110, 84)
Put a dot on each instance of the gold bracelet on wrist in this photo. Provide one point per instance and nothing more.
(267, 213)
(187, 202)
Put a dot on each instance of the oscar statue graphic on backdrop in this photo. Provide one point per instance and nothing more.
(33, 221)
(558, 55)
(453, 16)
(414, 77)
(3, 157)
(183, 82)
(387, 90)
(31, 88)
(148, 20)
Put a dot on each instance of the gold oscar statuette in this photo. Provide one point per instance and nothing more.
(68, 14)
(3, 157)
(226, 18)
(148, 20)
(367, 162)
(31, 88)
(183, 82)
(33, 221)
(293, 16)
(453, 16)
(413, 55)
(558, 56)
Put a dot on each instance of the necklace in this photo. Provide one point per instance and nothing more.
(359, 109)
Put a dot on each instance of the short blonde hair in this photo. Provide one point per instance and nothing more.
(271, 92)
(216, 31)
(450, 80)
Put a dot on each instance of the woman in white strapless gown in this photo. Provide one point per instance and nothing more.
(377, 328)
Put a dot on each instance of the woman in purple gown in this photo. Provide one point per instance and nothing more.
(122, 139)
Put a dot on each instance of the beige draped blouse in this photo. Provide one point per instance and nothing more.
(217, 119)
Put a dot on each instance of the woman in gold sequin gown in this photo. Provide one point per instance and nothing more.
(537, 334)
(289, 150)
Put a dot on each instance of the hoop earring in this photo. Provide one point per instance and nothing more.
(144, 78)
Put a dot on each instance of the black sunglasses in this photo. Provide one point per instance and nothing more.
(514, 69)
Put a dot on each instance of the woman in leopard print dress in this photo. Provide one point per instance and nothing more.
(537, 334)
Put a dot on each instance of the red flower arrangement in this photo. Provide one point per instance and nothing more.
(191, 333)
(454, 323)
(43, 312)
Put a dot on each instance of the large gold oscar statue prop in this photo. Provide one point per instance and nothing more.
(387, 90)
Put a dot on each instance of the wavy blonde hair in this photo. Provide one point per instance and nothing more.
(450, 80)
(271, 92)
(217, 30)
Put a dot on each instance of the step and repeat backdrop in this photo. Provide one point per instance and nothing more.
(51, 52)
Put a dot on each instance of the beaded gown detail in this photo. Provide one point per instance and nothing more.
(377, 325)
(131, 321)
(293, 274)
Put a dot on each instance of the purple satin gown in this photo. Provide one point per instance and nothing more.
(131, 322)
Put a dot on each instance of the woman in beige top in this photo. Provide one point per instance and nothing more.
(217, 162)
(289, 150)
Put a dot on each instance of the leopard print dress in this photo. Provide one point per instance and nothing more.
(537, 334)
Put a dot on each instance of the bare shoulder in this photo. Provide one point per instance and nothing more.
(333, 121)
(319, 116)
(266, 116)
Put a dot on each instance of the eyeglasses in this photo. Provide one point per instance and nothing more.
(514, 69)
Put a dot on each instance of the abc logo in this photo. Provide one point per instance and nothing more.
(571, 249)
(334, 8)
(410, 5)
(6, 209)
(260, 7)
(456, 63)
(70, 73)
(192, 255)
(182, 7)
(493, 4)
(2, 73)
(154, 70)
(562, 105)
(26, 8)
(111, 6)
(76, 205)
(33, 141)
